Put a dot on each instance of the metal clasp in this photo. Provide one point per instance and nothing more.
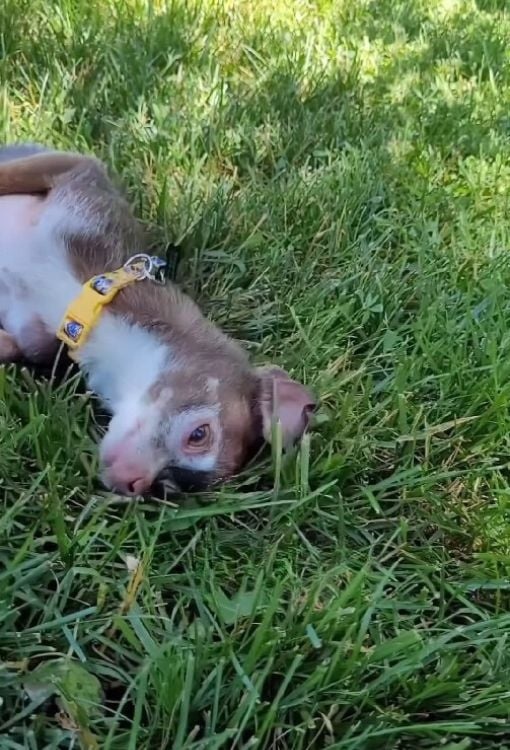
(143, 266)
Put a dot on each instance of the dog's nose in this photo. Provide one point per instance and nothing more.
(127, 479)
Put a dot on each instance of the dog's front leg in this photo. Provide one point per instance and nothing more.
(40, 172)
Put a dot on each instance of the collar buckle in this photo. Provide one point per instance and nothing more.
(143, 266)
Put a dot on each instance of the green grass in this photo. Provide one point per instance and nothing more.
(336, 174)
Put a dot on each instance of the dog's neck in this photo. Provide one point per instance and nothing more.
(146, 331)
(175, 319)
(135, 339)
(123, 360)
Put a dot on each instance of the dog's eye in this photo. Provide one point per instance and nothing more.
(200, 436)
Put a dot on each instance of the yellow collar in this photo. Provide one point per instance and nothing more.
(83, 313)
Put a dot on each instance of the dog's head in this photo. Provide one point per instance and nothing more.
(200, 422)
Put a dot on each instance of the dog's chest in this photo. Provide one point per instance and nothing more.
(36, 281)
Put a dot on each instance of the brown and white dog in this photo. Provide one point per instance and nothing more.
(187, 407)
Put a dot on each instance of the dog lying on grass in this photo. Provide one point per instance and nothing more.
(187, 406)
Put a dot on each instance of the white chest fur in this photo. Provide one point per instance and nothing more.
(36, 281)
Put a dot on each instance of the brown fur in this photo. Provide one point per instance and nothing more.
(9, 350)
(37, 173)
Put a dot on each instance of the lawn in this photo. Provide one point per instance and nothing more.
(334, 177)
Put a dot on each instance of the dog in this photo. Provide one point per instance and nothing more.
(187, 407)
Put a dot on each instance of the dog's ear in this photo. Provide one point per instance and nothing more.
(286, 400)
